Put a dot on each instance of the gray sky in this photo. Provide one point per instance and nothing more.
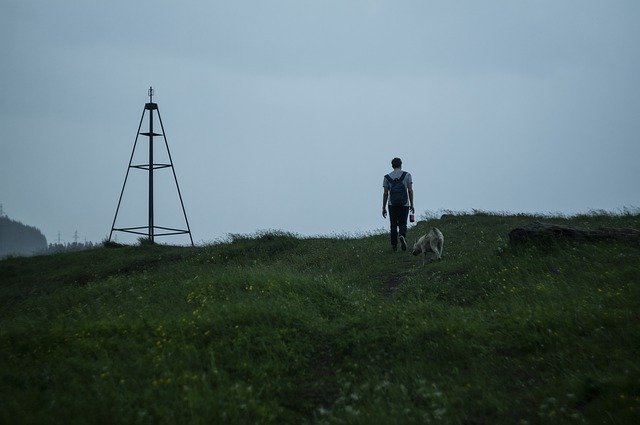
(286, 114)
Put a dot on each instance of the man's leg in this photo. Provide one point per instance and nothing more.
(393, 219)
(403, 213)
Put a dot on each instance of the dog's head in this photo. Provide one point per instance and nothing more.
(417, 249)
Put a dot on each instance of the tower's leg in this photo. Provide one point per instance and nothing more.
(113, 225)
(175, 178)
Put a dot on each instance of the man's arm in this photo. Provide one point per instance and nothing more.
(410, 190)
(385, 196)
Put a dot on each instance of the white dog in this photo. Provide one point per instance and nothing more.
(431, 242)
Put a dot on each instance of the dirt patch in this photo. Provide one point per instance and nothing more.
(393, 282)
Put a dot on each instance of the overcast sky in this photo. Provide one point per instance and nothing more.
(286, 114)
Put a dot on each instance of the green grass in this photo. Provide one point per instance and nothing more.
(272, 328)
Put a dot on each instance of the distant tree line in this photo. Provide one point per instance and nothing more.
(19, 239)
(54, 248)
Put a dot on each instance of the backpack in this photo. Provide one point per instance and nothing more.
(398, 190)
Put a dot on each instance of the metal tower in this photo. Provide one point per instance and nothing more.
(150, 167)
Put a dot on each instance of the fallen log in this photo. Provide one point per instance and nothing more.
(538, 232)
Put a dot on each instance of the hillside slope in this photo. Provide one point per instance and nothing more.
(19, 239)
(277, 329)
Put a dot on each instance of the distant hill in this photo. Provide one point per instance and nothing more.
(19, 239)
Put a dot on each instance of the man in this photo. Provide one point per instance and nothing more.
(398, 190)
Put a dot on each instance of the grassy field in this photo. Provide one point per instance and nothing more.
(272, 328)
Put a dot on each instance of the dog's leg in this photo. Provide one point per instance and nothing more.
(434, 248)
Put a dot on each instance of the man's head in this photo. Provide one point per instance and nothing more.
(396, 163)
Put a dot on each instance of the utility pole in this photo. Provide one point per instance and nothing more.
(150, 229)
(75, 237)
(58, 237)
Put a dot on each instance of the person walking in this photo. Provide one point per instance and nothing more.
(398, 190)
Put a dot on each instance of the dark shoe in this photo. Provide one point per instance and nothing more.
(403, 243)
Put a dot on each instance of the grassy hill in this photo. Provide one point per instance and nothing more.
(277, 329)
